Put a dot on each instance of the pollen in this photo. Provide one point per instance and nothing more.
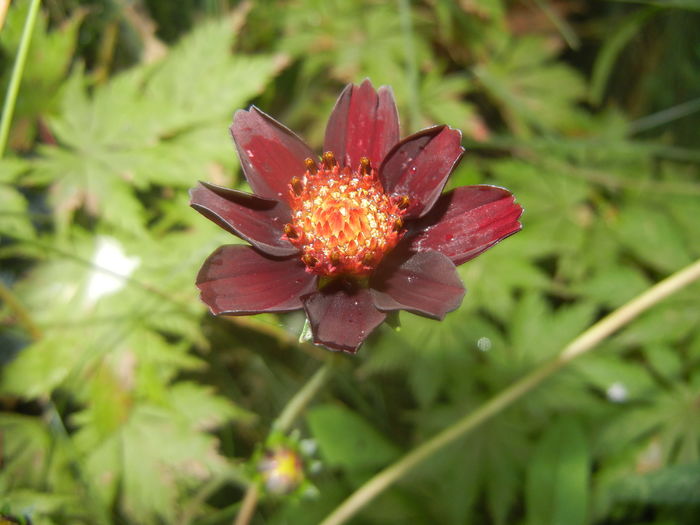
(342, 221)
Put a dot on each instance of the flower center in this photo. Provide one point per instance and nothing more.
(342, 221)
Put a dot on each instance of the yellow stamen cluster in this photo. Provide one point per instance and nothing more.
(342, 221)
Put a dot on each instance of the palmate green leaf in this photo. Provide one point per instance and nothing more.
(671, 321)
(90, 182)
(668, 421)
(14, 214)
(493, 279)
(538, 332)
(674, 485)
(40, 506)
(487, 466)
(151, 125)
(553, 205)
(665, 361)
(374, 29)
(442, 97)
(43, 366)
(200, 407)
(154, 458)
(612, 286)
(347, 440)
(605, 371)
(653, 236)
(557, 486)
(532, 90)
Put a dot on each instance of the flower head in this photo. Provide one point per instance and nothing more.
(350, 236)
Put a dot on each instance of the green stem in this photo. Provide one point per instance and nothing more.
(582, 344)
(291, 411)
(411, 65)
(296, 405)
(17, 71)
(250, 501)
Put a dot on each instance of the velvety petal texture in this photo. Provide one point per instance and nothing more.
(270, 154)
(258, 221)
(419, 166)
(341, 316)
(345, 245)
(467, 221)
(239, 280)
(425, 283)
(364, 123)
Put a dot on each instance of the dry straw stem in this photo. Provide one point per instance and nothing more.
(579, 346)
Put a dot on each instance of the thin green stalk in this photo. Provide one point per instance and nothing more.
(582, 344)
(665, 116)
(411, 65)
(291, 411)
(298, 403)
(17, 72)
(565, 30)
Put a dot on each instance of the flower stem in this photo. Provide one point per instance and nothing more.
(17, 71)
(302, 398)
(291, 411)
(582, 344)
(250, 501)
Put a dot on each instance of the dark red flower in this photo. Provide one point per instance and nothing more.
(360, 232)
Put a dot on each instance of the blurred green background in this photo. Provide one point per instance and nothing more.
(122, 401)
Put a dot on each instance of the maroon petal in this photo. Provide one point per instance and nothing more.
(364, 123)
(419, 166)
(342, 317)
(270, 153)
(256, 220)
(426, 283)
(466, 221)
(239, 280)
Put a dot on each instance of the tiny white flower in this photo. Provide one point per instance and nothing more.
(484, 344)
(110, 268)
(617, 392)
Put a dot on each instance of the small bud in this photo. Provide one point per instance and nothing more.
(329, 160)
(365, 166)
(290, 232)
(310, 165)
(282, 471)
(297, 186)
(309, 260)
(403, 202)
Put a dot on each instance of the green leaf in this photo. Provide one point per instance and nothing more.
(557, 490)
(612, 47)
(42, 366)
(347, 440)
(14, 216)
(532, 90)
(653, 236)
(163, 124)
(613, 286)
(675, 485)
(622, 380)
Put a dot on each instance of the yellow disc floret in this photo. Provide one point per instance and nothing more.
(342, 221)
